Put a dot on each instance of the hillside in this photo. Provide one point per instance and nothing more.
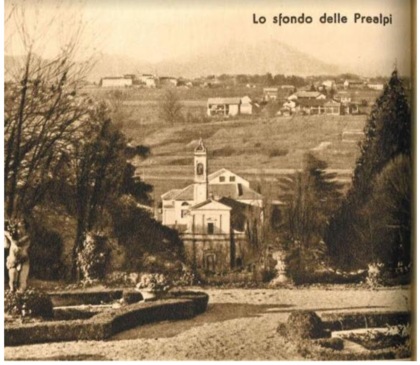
(259, 149)
(253, 58)
(234, 58)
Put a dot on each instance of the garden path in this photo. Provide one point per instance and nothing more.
(239, 324)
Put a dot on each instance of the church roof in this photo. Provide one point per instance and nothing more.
(171, 194)
(307, 94)
(186, 193)
(232, 190)
(217, 173)
(249, 194)
(229, 101)
(240, 212)
(226, 190)
(211, 204)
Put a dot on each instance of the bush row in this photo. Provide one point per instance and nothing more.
(348, 321)
(81, 296)
(103, 325)
(310, 335)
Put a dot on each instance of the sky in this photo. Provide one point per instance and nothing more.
(161, 30)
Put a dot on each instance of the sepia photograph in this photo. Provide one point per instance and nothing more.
(209, 181)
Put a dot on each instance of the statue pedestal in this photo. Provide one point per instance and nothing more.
(281, 276)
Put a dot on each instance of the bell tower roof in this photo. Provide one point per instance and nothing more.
(200, 147)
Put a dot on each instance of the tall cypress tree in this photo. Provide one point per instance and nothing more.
(387, 135)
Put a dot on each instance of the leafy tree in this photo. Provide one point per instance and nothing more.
(268, 79)
(98, 163)
(387, 135)
(311, 195)
(388, 215)
(144, 237)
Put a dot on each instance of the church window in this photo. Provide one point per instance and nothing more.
(210, 228)
(184, 210)
(221, 179)
(200, 169)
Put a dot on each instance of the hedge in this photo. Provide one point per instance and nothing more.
(350, 320)
(108, 323)
(80, 296)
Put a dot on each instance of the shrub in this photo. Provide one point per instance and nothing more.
(30, 303)
(46, 252)
(187, 278)
(154, 282)
(374, 274)
(278, 152)
(303, 325)
(268, 274)
(131, 296)
(93, 257)
(334, 343)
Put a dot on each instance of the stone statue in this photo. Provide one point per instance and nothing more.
(17, 262)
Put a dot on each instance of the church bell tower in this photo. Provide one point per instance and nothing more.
(200, 173)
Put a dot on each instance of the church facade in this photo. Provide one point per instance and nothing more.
(212, 215)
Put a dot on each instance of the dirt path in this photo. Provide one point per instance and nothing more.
(238, 325)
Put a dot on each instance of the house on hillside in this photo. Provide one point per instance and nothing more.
(289, 107)
(319, 106)
(246, 106)
(348, 105)
(353, 84)
(378, 87)
(328, 84)
(145, 77)
(116, 81)
(223, 107)
(288, 88)
(212, 215)
(344, 97)
(230, 106)
(168, 82)
(310, 106)
(270, 93)
(332, 107)
(306, 95)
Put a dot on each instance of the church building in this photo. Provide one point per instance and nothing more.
(212, 216)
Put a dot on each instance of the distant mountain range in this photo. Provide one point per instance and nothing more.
(234, 58)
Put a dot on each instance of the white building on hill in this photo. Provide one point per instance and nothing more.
(116, 82)
(211, 215)
(229, 106)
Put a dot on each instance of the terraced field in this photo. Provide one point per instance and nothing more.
(256, 148)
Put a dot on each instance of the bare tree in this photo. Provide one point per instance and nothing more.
(171, 108)
(42, 109)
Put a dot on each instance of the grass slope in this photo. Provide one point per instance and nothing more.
(252, 147)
